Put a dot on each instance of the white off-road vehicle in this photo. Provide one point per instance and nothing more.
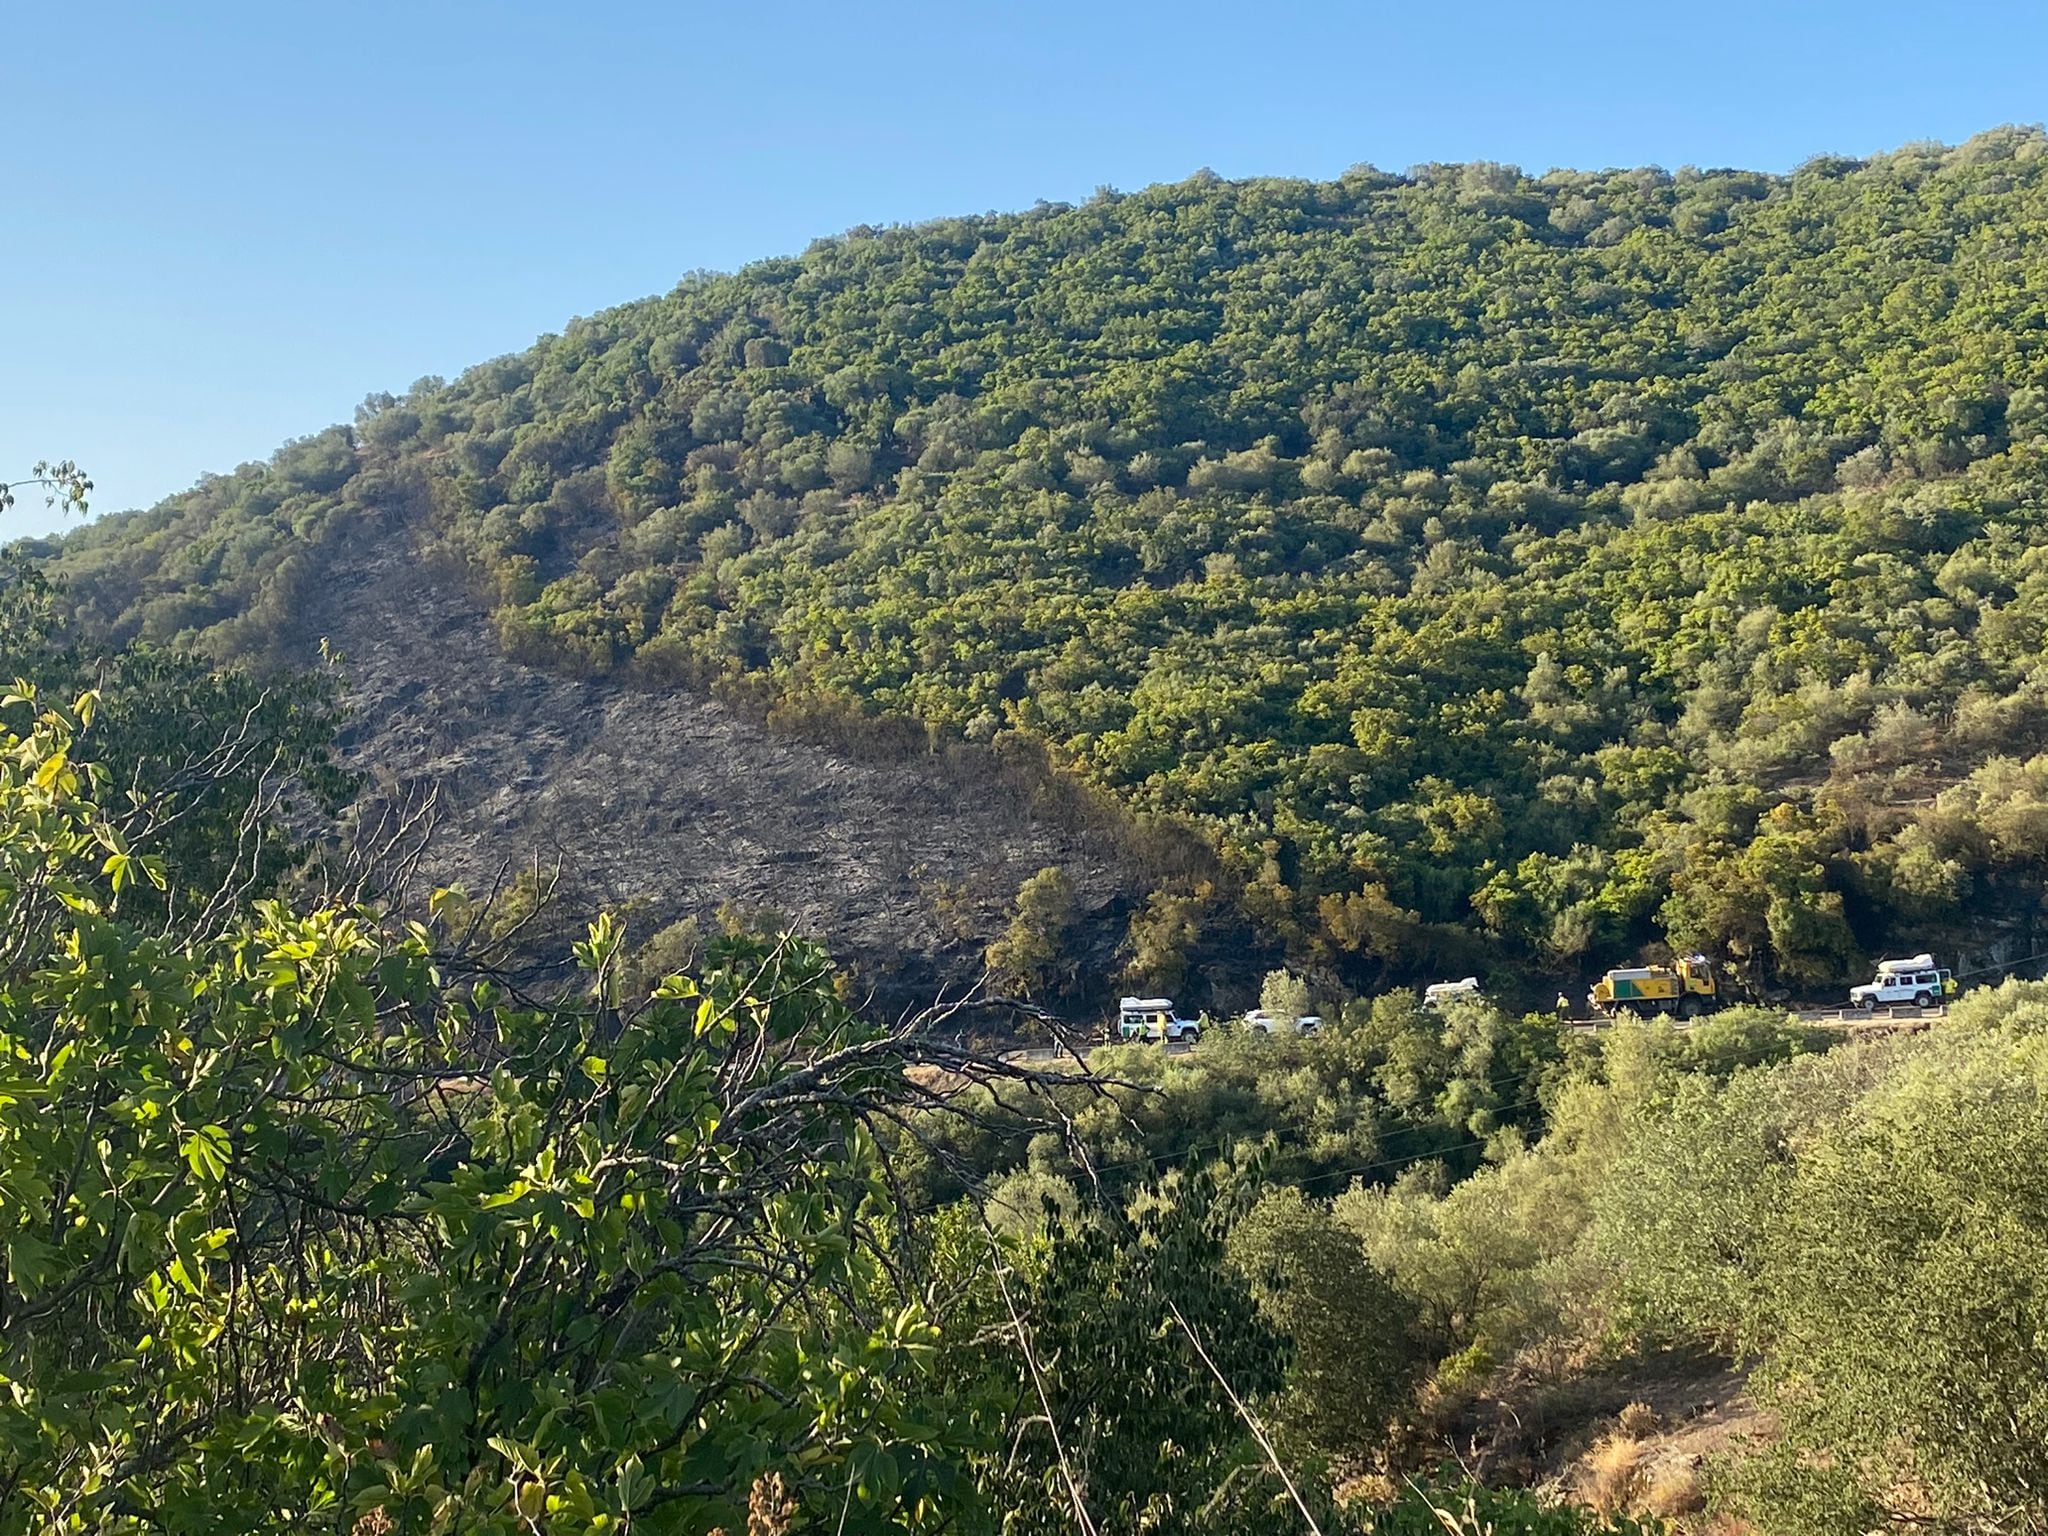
(1437, 993)
(1265, 1022)
(1153, 1018)
(1915, 982)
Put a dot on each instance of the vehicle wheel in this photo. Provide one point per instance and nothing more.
(1192, 1036)
(1867, 1004)
(1689, 1008)
(1923, 999)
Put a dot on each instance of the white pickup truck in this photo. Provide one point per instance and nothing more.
(1915, 981)
(1153, 1018)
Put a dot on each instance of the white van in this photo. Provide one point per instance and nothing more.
(1916, 982)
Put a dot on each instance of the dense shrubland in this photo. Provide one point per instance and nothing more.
(1390, 1085)
(1863, 1227)
(314, 1215)
(1859, 1229)
(229, 779)
(1495, 568)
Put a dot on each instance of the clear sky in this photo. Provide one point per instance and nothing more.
(227, 223)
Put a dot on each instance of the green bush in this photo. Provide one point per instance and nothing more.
(1459, 1507)
(1355, 1353)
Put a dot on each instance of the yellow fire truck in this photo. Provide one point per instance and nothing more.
(1687, 988)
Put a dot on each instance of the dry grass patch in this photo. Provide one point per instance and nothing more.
(1674, 1488)
(1614, 1477)
(1638, 1420)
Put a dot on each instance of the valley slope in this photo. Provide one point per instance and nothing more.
(1492, 571)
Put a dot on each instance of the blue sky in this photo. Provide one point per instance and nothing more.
(227, 223)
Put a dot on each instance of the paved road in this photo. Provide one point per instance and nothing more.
(1046, 1056)
(1855, 1016)
(1849, 1020)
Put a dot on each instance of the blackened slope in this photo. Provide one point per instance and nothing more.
(675, 805)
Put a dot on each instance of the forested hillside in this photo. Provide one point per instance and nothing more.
(321, 1209)
(320, 1212)
(1497, 569)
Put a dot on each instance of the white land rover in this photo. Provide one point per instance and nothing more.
(1913, 982)
(1153, 1018)
(1437, 993)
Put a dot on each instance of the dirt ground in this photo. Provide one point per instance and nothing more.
(1634, 1438)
